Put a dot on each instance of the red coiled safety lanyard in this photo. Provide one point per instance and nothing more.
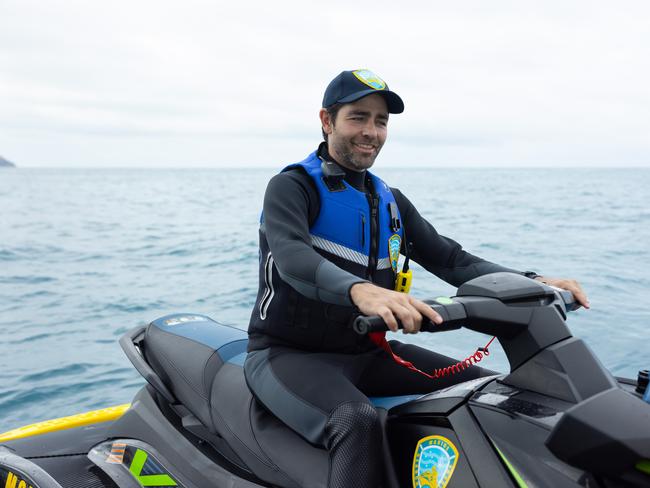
(379, 338)
(403, 284)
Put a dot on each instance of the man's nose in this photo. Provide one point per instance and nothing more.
(370, 130)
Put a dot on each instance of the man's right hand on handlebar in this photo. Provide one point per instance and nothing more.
(392, 306)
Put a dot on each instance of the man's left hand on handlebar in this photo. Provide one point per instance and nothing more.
(567, 284)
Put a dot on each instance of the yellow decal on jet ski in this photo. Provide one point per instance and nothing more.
(434, 462)
(13, 480)
(87, 418)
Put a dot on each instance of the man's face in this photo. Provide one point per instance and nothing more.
(357, 135)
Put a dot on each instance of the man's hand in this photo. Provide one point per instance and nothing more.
(571, 285)
(392, 306)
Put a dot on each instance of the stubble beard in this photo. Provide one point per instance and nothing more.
(348, 159)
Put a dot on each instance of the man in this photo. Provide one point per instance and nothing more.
(329, 238)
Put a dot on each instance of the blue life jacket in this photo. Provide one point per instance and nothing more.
(359, 234)
(343, 225)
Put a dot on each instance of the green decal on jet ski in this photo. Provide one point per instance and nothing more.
(515, 474)
(643, 466)
(434, 462)
(138, 464)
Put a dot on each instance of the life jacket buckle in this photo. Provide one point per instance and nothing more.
(395, 222)
(332, 176)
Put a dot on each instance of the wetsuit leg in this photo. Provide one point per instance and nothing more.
(385, 377)
(314, 394)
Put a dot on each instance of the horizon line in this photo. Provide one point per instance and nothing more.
(270, 167)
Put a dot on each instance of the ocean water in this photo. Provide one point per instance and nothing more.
(85, 255)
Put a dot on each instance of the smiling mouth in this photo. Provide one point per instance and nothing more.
(365, 147)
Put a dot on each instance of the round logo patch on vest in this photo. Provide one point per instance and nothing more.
(369, 78)
(394, 245)
(434, 462)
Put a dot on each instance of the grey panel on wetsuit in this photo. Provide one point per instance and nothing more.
(269, 448)
(331, 285)
(305, 418)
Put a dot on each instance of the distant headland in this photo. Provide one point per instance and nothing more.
(6, 164)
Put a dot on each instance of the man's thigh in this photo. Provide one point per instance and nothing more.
(302, 388)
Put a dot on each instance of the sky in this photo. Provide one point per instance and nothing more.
(196, 83)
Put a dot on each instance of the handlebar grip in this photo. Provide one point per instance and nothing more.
(570, 303)
(363, 325)
(452, 312)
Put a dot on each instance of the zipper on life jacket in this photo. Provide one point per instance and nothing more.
(373, 201)
(363, 231)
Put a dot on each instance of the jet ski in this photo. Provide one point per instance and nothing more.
(557, 419)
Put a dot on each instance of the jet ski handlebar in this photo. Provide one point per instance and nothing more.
(451, 310)
(525, 315)
(476, 302)
(454, 314)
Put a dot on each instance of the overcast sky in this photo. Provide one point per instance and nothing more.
(213, 83)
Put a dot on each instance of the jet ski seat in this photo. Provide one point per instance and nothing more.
(201, 362)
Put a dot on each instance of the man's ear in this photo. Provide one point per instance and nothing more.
(325, 120)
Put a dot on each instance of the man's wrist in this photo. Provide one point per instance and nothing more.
(350, 292)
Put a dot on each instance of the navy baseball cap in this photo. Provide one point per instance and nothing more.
(350, 86)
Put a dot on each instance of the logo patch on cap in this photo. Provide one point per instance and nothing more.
(369, 78)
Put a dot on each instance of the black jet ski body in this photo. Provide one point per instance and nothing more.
(559, 419)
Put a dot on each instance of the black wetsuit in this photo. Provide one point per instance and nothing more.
(323, 395)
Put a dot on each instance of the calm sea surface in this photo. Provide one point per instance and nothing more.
(86, 255)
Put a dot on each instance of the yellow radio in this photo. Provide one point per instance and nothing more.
(404, 277)
(403, 281)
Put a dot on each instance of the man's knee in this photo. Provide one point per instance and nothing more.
(353, 419)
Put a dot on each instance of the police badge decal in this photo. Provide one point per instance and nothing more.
(434, 462)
